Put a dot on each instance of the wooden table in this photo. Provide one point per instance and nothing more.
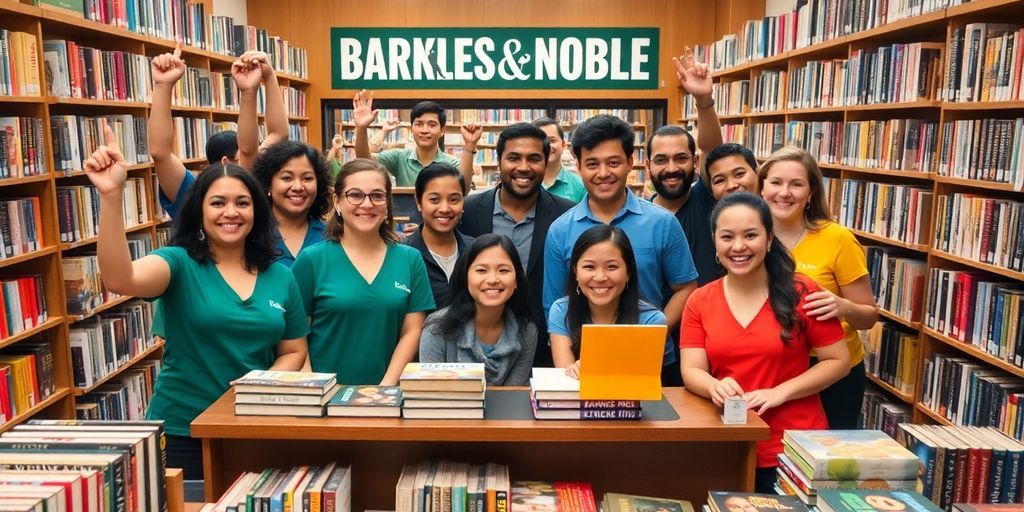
(676, 459)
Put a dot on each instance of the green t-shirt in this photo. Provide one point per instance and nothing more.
(214, 337)
(355, 325)
(569, 185)
(404, 165)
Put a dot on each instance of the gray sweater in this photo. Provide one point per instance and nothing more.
(507, 365)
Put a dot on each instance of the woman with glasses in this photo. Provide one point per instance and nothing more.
(365, 293)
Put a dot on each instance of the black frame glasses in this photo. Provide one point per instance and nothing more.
(355, 197)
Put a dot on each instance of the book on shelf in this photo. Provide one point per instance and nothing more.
(974, 308)
(731, 98)
(983, 150)
(299, 488)
(538, 496)
(860, 500)
(123, 398)
(719, 501)
(21, 226)
(794, 476)
(615, 502)
(23, 302)
(984, 63)
(74, 486)
(896, 212)
(22, 147)
(190, 136)
(897, 144)
(193, 89)
(822, 139)
(447, 486)
(969, 393)
(366, 401)
(891, 354)
(19, 64)
(103, 344)
(984, 229)
(76, 137)
(96, 74)
(897, 281)
(767, 92)
(849, 455)
(986, 507)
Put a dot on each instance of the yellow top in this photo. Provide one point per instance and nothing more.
(833, 257)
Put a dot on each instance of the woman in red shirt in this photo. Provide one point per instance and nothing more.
(748, 335)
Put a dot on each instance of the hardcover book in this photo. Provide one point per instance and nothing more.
(873, 501)
(849, 455)
(630, 503)
(749, 502)
(465, 377)
(370, 401)
(299, 383)
(586, 414)
(553, 384)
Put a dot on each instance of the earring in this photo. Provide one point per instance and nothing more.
(338, 212)
(716, 260)
(578, 291)
(202, 235)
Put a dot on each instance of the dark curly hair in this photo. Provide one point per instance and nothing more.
(260, 244)
(272, 159)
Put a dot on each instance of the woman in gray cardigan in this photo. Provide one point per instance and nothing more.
(489, 320)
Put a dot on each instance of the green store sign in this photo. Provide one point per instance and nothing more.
(494, 58)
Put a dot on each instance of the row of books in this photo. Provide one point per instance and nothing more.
(768, 91)
(85, 465)
(190, 136)
(880, 412)
(982, 229)
(890, 353)
(966, 464)
(972, 308)
(78, 209)
(19, 64)
(556, 396)
(984, 62)
(898, 144)
(76, 137)
(984, 149)
(21, 226)
(194, 88)
(224, 91)
(443, 390)
(897, 281)
(283, 56)
(296, 131)
(104, 344)
(26, 376)
(283, 393)
(22, 147)
(23, 301)
(82, 284)
(731, 98)
(972, 394)
(294, 101)
(447, 486)
(302, 488)
(91, 73)
(123, 398)
(896, 212)
(822, 139)
(166, 19)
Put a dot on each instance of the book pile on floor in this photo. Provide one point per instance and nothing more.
(556, 396)
(278, 393)
(443, 390)
(83, 465)
(366, 402)
(966, 464)
(749, 502)
(300, 488)
(536, 496)
(814, 461)
(446, 486)
(613, 502)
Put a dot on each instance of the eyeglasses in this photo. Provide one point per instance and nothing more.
(356, 197)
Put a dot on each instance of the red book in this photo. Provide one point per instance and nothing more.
(5, 331)
(6, 413)
(23, 299)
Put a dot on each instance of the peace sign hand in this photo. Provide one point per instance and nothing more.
(692, 75)
(106, 167)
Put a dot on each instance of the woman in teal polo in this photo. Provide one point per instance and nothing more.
(228, 307)
(366, 294)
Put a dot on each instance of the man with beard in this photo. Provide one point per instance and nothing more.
(522, 210)
(673, 166)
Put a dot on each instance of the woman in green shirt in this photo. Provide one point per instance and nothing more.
(228, 308)
(365, 293)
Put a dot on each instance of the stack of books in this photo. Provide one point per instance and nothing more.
(556, 396)
(443, 390)
(865, 500)
(749, 502)
(83, 465)
(613, 502)
(446, 486)
(366, 402)
(278, 393)
(536, 496)
(818, 460)
(966, 464)
(300, 488)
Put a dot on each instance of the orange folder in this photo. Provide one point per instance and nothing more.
(621, 362)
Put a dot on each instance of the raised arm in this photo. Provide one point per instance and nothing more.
(166, 70)
(247, 75)
(379, 138)
(145, 277)
(275, 116)
(363, 116)
(696, 80)
(470, 137)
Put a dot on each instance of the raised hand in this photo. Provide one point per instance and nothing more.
(106, 167)
(692, 75)
(246, 72)
(337, 142)
(260, 59)
(471, 134)
(363, 113)
(390, 125)
(168, 68)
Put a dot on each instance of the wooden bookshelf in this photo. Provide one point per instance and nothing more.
(908, 398)
(932, 27)
(48, 23)
(145, 354)
(932, 415)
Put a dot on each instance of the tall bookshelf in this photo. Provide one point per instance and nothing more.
(41, 23)
(749, 117)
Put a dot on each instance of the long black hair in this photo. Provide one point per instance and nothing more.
(463, 308)
(260, 244)
(783, 291)
(579, 306)
(272, 159)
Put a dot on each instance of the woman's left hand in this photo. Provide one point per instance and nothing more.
(824, 305)
(764, 399)
(574, 370)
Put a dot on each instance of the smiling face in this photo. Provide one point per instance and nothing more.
(786, 189)
(731, 174)
(741, 240)
(427, 130)
(601, 274)
(227, 212)
(556, 142)
(672, 165)
(441, 204)
(365, 217)
(492, 277)
(522, 167)
(293, 188)
(604, 170)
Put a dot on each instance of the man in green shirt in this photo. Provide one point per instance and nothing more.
(558, 179)
(427, 122)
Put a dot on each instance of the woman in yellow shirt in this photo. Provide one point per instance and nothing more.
(829, 254)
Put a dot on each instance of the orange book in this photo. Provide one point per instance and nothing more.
(621, 362)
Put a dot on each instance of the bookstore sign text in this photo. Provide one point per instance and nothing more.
(494, 58)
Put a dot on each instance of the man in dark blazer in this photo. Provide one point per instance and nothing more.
(521, 209)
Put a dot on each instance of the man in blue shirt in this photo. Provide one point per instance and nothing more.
(603, 145)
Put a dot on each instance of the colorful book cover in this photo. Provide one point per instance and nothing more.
(443, 371)
(367, 396)
(287, 379)
(534, 496)
(811, 486)
(873, 501)
(749, 502)
(850, 455)
(586, 414)
(630, 503)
